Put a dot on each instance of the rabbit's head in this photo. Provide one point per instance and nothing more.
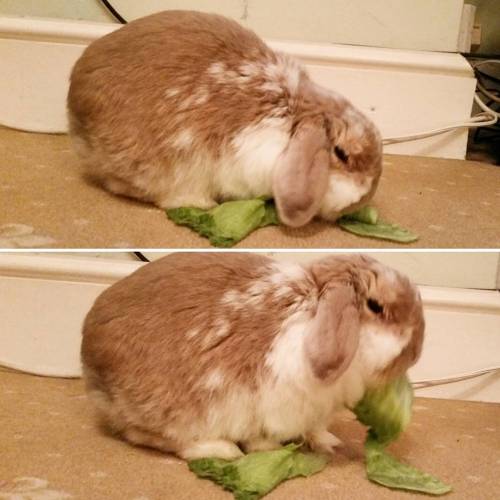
(369, 317)
(333, 162)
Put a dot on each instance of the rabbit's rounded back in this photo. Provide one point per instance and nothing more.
(168, 317)
(184, 108)
(140, 85)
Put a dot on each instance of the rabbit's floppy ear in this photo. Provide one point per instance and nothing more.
(301, 176)
(334, 338)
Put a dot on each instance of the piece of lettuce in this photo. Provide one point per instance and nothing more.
(383, 468)
(256, 474)
(365, 222)
(367, 215)
(387, 412)
(227, 223)
(381, 230)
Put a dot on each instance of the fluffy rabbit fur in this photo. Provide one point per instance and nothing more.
(188, 109)
(198, 354)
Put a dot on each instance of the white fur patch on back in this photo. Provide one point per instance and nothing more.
(257, 288)
(232, 298)
(287, 271)
(277, 279)
(186, 102)
(200, 97)
(252, 296)
(284, 275)
(171, 92)
(249, 69)
(271, 87)
(241, 77)
(191, 334)
(216, 69)
(292, 73)
(214, 380)
(183, 140)
(285, 71)
(220, 330)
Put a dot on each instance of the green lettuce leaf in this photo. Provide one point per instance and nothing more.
(227, 223)
(380, 229)
(383, 468)
(368, 215)
(256, 474)
(387, 411)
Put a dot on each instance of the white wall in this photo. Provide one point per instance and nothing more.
(424, 25)
(88, 10)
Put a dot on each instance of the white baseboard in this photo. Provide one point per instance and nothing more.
(45, 299)
(403, 91)
(78, 269)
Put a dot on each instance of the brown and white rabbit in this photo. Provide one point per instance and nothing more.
(183, 108)
(197, 353)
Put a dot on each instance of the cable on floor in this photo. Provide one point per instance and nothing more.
(422, 384)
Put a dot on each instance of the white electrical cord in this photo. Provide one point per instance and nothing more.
(421, 384)
(485, 119)
(484, 91)
(487, 93)
(485, 61)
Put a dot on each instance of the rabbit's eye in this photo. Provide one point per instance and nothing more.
(341, 154)
(374, 306)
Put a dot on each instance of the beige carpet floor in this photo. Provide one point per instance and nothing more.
(50, 449)
(45, 201)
